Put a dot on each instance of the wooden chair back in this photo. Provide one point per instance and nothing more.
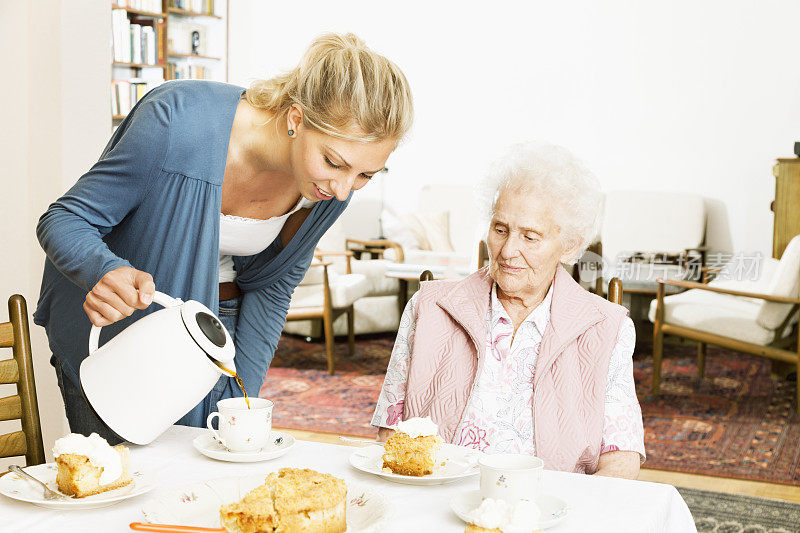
(19, 370)
(426, 275)
(483, 254)
(615, 291)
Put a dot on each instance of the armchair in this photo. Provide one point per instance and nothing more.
(323, 296)
(757, 316)
(374, 311)
(666, 240)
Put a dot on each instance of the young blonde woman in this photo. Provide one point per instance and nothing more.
(214, 193)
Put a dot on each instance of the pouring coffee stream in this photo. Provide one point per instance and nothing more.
(235, 376)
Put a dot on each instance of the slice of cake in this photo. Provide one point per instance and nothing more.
(497, 516)
(412, 449)
(292, 500)
(89, 465)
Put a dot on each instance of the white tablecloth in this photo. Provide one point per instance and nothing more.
(598, 504)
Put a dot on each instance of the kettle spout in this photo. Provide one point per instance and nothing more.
(226, 368)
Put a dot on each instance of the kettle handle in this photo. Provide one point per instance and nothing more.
(158, 297)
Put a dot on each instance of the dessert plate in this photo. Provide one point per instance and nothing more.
(554, 509)
(22, 489)
(198, 505)
(453, 463)
(280, 443)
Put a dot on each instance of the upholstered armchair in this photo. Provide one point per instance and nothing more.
(374, 311)
(649, 234)
(323, 295)
(757, 315)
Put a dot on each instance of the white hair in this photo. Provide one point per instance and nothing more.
(557, 177)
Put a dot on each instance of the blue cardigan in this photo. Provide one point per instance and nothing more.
(153, 202)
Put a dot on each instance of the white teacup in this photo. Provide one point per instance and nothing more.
(242, 429)
(511, 477)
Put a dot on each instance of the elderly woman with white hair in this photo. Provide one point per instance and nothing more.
(517, 357)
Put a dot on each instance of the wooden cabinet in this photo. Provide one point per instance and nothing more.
(786, 206)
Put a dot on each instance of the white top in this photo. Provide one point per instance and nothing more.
(598, 504)
(248, 236)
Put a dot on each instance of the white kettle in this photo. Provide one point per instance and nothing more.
(156, 370)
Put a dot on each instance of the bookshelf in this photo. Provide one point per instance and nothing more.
(159, 40)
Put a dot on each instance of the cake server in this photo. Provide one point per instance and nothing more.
(360, 441)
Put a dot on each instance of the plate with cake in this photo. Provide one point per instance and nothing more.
(416, 455)
(292, 499)
(87, 470)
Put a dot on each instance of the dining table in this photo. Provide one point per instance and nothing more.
(595, 503)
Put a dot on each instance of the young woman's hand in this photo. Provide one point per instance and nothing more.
(118, 294)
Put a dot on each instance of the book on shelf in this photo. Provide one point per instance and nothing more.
(149, 45)
(121, 30)
(186, 71)
(160, 29)
(136, 43)
(135, 39)
(126, 93)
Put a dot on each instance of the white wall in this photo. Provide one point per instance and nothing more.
(683, 95)
(56, 121)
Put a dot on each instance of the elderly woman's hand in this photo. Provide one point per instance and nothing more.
(384, 434)
(619, 464)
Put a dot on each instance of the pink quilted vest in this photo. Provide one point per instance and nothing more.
(569, 384)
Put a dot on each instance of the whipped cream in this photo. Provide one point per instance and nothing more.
(418, 427)
(498, 514)
(96, 449)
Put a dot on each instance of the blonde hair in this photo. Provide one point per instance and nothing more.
(340, 83)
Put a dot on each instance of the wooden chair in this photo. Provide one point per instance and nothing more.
(375, 248)
(426, 275)
(595, 248)
(19, 370)
(325, 308)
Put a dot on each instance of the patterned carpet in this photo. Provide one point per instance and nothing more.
(736, 423)
(715, 512)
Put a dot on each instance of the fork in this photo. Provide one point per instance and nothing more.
(48, 494)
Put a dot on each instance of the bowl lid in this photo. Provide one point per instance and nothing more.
(207, 331)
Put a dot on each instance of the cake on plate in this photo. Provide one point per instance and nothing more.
(498, 516)
(89, 465)
(412, 449)
(290, 500)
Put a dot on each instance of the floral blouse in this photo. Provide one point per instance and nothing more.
(499, 413)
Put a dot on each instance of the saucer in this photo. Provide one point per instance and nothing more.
(280, 443)
(554, 509)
